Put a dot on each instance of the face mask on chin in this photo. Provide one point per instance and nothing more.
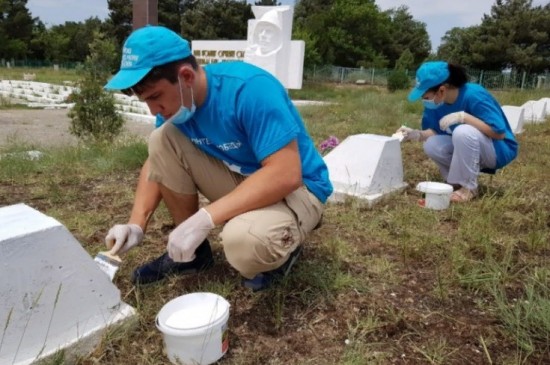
(184, 113)
(431, 104)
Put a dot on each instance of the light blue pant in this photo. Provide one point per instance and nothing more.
(461, 156)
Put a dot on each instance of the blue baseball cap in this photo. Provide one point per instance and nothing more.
(144, 49)
(430, 74)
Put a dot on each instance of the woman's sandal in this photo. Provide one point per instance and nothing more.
(463, 195)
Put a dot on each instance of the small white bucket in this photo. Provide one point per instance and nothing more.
(195, 328)
(437, 195)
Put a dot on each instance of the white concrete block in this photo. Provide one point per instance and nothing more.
(365, 166)
(535, 111)
(141, 118)
(515, 116)
(53, 295)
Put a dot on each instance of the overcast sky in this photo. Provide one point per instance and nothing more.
(439, 16)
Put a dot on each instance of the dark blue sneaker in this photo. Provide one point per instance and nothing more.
(163, 266)
(265, 279)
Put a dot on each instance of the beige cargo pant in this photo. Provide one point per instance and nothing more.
(253, 242)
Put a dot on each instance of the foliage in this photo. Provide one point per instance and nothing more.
(398, 79)
(94, 116)
(16, 29)
(215, 19)
(515, 35)
(405, 61)
(346, 32)
(391, 283)
(311, 54)
(119, 22)
(406, 35)
(352, 33)
(456, 44)
(356, 33)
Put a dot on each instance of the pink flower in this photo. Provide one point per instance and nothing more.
(328, 144)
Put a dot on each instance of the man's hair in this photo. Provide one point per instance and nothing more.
(457, 77)
(168, 71)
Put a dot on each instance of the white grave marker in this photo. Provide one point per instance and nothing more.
(535, 111)
(515, 116)
(547, 101)
(53, 295)
(365, 166)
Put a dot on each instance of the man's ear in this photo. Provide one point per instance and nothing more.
(187, 75)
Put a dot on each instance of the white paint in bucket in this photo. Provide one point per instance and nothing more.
(438, 195)
(194, 328)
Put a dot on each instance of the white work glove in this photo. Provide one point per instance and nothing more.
(122, 237)
(184, 240)
(451, 119)
(410, 134)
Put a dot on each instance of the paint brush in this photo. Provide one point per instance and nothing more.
(108, 263)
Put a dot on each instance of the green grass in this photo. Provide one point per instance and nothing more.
(43, 74)
(394, 283)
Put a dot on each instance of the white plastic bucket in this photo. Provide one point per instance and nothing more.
(194, 327)
(437, 195)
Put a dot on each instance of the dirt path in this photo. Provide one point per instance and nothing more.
(47, 128)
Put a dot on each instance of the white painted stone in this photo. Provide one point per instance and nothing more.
(29, 76)
(140, 118)
(29, 155)
(53, 295)
(515, 116)
(365, 166)
(535, 111)
(42, 95)
(547, 101)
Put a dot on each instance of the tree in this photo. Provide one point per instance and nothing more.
(170, 14)
(456, 45)
(405, 61)
(406, 34)
(120, 20)
(94, 117)
(311, 54)
(515, 34)
(310, 16)
(16, 28)
(215, 19)
(354, 31)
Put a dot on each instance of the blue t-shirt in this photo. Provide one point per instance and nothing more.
(477, 101)
(246, 117)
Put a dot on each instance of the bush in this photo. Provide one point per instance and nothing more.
(398, 80)
(94, 115)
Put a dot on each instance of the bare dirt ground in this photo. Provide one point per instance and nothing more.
(48, 128)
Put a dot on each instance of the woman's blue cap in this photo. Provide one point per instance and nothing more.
(429, 75)
(144, 49)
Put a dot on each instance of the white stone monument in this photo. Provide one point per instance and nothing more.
(365, 166)
(268, 45)
(53, 295)
(515, 116)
